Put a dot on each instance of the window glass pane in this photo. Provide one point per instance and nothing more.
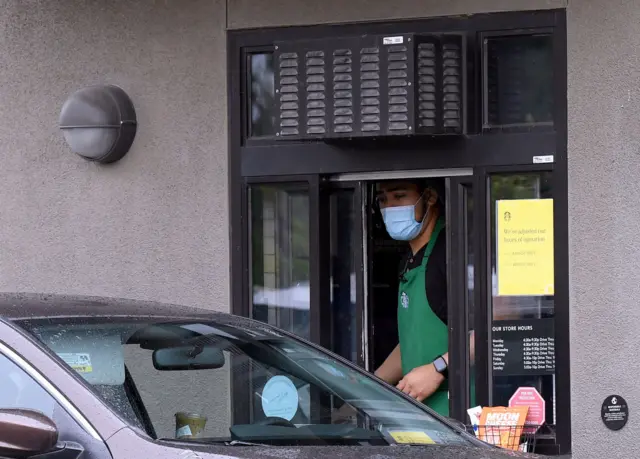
(343, 276)
(519, 80)
(470, 259)
(184, 366)
(523, 302)
(20, 391)
(263, 109)
(280, 256)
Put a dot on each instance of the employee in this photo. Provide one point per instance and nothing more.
(413, 211)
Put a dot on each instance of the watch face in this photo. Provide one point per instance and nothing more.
(440, 364)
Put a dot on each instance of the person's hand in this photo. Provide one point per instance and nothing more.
(421, 382)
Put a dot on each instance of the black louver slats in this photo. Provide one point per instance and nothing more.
(343, 114)
(370, 86)
(427, 118)
(399, 78)
(452, 85)
(289, 94)
(316, 89)
(370, 115)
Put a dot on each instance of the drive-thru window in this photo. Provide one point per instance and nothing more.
(319, 116)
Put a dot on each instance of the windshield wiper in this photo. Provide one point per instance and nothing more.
(244, 443)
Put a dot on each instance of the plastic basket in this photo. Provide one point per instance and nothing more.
(513, 437)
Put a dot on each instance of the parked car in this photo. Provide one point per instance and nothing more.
(106, 378)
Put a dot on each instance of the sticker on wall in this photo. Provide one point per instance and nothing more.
(615, 412)
(280, 398)
(80, 362)
(524, 246)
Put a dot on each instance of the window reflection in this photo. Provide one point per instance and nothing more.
(280, 256)
(519, 80)
(263, 113)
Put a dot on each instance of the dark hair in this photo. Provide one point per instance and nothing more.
(436, 184)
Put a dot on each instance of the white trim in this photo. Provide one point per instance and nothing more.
(51, 389)
(402, 174)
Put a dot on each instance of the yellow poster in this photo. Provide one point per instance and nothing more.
(524, 247)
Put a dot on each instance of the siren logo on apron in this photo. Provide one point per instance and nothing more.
(405, 300)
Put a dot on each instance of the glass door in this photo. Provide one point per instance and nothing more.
(346, 244)
(462, 258)
(522, 287)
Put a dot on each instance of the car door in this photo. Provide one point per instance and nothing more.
(27, 379)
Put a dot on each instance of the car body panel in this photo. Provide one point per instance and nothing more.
(126, 444)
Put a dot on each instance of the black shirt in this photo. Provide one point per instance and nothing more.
(435, 275)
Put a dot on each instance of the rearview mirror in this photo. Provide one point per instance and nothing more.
(193, 357)
(25, 433)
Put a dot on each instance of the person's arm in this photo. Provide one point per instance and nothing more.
(472, 349)
(421, 382)
(391, 369)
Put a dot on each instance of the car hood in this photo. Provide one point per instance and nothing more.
(360, 452)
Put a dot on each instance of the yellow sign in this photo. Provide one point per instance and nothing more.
(524, 244)
(415, 438)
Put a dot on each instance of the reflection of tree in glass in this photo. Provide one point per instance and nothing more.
(263, 119)
(290, 231)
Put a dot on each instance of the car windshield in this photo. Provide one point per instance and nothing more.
(233, 381)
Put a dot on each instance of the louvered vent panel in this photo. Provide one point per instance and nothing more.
(370, 115)
(452, 86)
(398, 82)
(315, 90)
(371, 86)
(289, 94)
(343, 114)
(427, 85)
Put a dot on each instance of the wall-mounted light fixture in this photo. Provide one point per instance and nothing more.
(99, 123)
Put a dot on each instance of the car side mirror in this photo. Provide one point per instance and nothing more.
(25, 433)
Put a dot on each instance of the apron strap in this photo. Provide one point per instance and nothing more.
(432, 240)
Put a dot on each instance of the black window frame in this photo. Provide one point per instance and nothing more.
(485, 150)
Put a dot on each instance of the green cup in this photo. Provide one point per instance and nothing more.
(190, 425)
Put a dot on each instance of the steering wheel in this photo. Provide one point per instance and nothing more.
(274, 421)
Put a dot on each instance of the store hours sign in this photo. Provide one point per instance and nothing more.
(523, 347)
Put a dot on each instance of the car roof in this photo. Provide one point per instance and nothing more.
(18, 306)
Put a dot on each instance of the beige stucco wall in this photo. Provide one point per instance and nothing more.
(604, 247)
(245, 14)
(153, 226)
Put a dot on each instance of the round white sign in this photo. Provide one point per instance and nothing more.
(280, 398)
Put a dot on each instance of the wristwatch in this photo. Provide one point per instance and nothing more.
(441, 366)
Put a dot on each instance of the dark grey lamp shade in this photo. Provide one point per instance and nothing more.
(99, 123)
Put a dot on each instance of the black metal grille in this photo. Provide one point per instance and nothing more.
(316, 89)
(398, 86)
(427, 117)
(452, 69)
(343, 114)
(370, 86)
(370, 116)
(288, 76)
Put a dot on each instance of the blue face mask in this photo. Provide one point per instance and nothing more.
(401, 222)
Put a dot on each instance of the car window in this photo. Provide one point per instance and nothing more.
(18, 390)
(177, 380)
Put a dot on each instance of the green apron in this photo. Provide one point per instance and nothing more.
(423, 336)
